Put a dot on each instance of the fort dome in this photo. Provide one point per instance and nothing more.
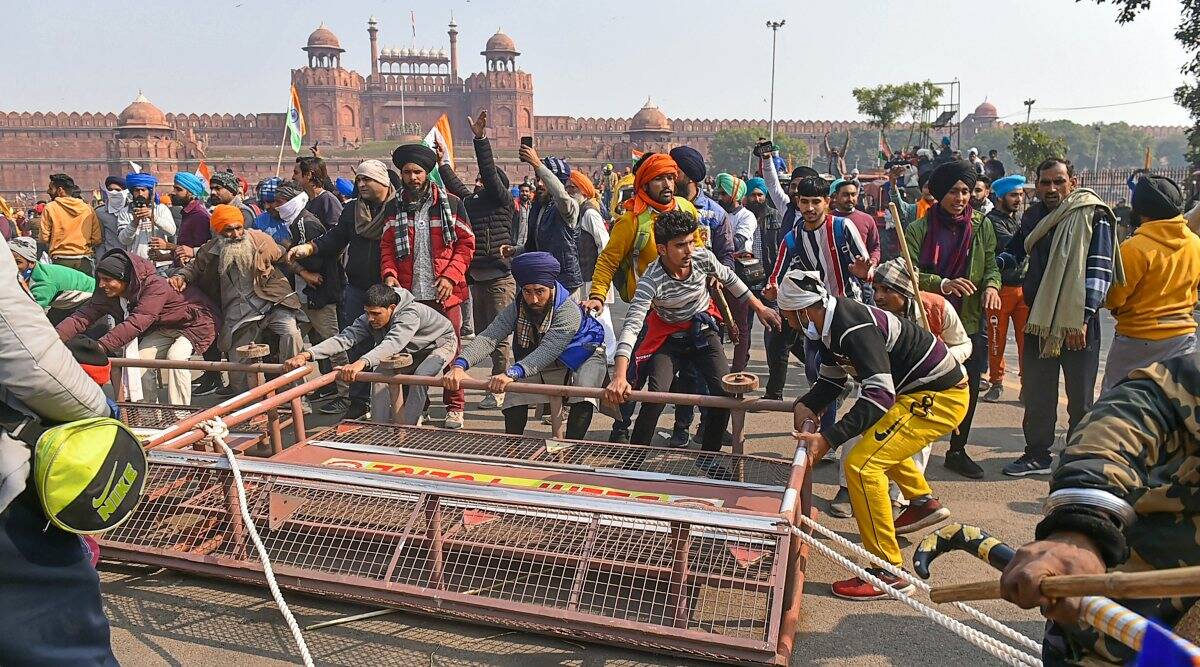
(649, 119)
(141, 112)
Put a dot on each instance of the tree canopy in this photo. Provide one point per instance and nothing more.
(730, 148)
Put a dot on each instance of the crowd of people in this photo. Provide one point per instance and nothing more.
(908, 318)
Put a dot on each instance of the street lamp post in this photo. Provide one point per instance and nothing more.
(774, 26)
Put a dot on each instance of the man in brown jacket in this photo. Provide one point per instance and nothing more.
(238, 269)
(69, 227)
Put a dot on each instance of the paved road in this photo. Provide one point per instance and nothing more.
(161, 617)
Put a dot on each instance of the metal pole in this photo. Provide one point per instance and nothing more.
(774, 26)
(1028, 109)
(1096, 160)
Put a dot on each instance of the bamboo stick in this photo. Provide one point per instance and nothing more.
(1177, 582)
(912, 271)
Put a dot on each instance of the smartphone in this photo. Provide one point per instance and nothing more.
(527, 141)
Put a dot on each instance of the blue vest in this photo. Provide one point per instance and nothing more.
(589, 336)
(549, 233)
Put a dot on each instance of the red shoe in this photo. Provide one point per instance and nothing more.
(916, 517)
(857, 589)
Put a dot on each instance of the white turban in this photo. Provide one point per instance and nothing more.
(801, 289)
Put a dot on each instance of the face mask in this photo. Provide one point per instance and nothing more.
(27, 273)
(288, 210)
(811, 332)
(117, 200)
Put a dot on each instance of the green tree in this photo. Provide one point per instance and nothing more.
(1030, 145)
(1188, 35)
(1171, 151)
(730, 148)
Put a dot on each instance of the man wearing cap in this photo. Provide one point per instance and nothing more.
(553, 218)
(1154, 308)
(954, 249)
(69, 227)
(115, 199)
(913, 391)
(428, 248)
(195, 228)
(240, 269)
(973, 158)
(227, 189)
(1010, 197)
(693, 172)
(554, 342)
(490, 208)
(145, 219)
(767, 219)
(153, 321)
(357, 233)
(747, 243)
(59, 290)
(1069, 239)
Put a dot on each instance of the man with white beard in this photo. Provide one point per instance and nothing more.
(241, 270)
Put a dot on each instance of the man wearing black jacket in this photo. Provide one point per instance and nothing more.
(490, 208)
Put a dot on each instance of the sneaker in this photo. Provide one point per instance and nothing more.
(205, 378)
(356, 410)
(547, 420)
(994, 394)
(679, 437)
(984, 386)
(492, 402)
(619, 436)
(336, 407)
(957, 460)
(920, 515)
(208, 386)
(328, 391)
(227, 391)
(305, 406)
(1027, 465)
(454, 420)
(857, 589)
(839, 507)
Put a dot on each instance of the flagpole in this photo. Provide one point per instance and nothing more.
(283, 140)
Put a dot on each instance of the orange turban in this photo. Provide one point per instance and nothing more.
(581, 181)
(224, 215)
(651, 168)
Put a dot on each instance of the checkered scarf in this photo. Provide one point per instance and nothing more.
(528, 334)
(437, 208)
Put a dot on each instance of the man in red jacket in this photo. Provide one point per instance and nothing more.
(163, 323)
(428, 249)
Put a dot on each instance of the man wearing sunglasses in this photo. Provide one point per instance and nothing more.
(1068, 237)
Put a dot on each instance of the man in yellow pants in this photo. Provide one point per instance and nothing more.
(913, 392)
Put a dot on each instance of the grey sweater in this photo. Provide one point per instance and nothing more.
(414, 327)
(562, 330)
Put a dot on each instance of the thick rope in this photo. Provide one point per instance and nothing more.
(218, 430)
(1001, 651)
(993, 624)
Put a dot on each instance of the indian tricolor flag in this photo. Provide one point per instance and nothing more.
(295, 121)
(635, 154)
(440, 134)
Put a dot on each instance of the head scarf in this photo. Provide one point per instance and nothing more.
(801, 289)
(293, 207)
(690, 162)
(267, 188)
(558, 167)
(24, 247)
(141, 180)
(116, 265)
(731, 185)
(535, 268)
(1003, 186)
(946, 175)
(375, 170)
(833, 187)
(117, 180)
(805, 172)
(652, 166)
(581, 181)
(228, 181)
(894, 274)
(345, 186)
(191, 182)
(1157, 198)
(287, 190)
(414, 153)
(224, 215)
(756, 183)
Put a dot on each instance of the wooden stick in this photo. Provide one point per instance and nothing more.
(912, 271)
(1177, 582)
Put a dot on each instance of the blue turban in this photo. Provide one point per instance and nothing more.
(558, 167)
(114, 180)
(190, 182)
(833, 187)
(756, 183)
(141, 180)
(690, 162)
(266, 189)
(1003, 186)
(536, 268)
(345, 186)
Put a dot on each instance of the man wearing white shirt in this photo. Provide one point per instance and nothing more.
(730, 192)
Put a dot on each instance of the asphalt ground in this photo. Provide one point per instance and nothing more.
(162, 617)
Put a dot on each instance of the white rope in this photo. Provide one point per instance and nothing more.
(978, 615)
(218, 430)
(1001, 651)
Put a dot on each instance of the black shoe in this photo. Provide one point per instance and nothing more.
(227, 391)
(619, 436)
(1027, 465)
(328, 391)
(336, 407)
(774, 397)
(679, 437)
(958, 461)
(994, 394)
(357, 410)
(208, 386)
(205, 378)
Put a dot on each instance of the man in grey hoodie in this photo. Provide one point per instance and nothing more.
(393, 322)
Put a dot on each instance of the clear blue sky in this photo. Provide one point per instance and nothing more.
(699, 59)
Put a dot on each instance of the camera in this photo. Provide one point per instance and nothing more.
(139, 202)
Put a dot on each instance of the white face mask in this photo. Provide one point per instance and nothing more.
(117, 200)
(811, 332)
(291, 208)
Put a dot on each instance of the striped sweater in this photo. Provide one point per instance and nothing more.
(675, 300)
(888, 356)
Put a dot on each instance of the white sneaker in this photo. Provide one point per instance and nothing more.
(454, 420)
